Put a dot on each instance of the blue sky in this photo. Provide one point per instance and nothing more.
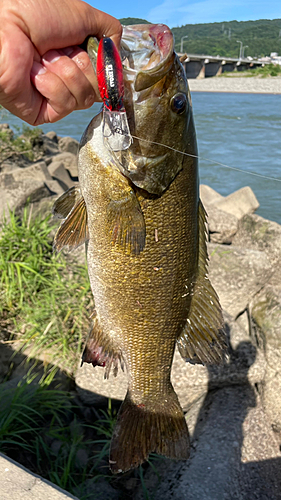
(179, 12)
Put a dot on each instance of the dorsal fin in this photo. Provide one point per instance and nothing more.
(203, 339)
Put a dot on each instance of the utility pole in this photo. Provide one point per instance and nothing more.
(182, 38)
(245, 46)
(241, 48)
(229, 33)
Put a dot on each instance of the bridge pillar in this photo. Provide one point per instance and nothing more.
(212, 68)
(228, 67)
(194, 69)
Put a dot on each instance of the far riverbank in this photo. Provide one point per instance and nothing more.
(247, 85)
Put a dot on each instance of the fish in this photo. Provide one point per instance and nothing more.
(139, 212)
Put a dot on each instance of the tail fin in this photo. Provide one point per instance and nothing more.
(142, 429)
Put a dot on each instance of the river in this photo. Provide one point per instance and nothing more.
(239, 130)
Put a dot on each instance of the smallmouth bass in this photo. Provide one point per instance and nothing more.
(145, 227)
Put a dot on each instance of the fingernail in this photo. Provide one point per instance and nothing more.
(51, 56)
(68, 50)
(37, 69)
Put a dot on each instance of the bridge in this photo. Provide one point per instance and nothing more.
(201, 66)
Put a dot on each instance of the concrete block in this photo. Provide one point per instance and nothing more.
(69, 145)
(239, 203)
(38, 171)
(60, 174)
(208, 195)
(54, 188)
(18, 483)
(69, 162)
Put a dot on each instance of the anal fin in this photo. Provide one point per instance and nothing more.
(100, 350)
(203, 339)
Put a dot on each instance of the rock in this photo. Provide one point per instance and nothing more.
(237, 274)
(234, 456)
(246, 364)
(208, 195)
(32, 183)
(222, 226)
(100, 489)
(43, 145)
(8, 166)
(266, 314)
(54, 188)
(59, 173)
(53, 136)
(239, 203)
(69, 145)
(69, 162)
(259, 234)
(19, 159)
(38, 171)
(92, 387)
(18, 193)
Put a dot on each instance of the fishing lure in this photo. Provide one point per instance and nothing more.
(110, 81)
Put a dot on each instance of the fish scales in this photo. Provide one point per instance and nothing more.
(147, 258)
(128, 291)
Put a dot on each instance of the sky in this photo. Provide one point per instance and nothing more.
(179, 12)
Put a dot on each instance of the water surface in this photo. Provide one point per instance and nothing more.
(240, 130)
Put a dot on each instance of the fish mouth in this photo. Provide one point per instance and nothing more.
(147, 52)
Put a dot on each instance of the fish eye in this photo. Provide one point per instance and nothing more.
(178, 103)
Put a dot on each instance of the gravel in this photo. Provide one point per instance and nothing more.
(247, 85)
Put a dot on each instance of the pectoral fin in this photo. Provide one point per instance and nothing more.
(126, 223)
(125, 220)
(73, 231)
(203, 339)
(64, 204)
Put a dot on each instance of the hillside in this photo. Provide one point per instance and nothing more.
(262, 37)
(132, 20)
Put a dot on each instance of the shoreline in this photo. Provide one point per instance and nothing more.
(243, 85)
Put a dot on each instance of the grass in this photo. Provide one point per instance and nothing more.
(19, 143)
(41, 428)
(267, 71)
(45, 303)
(44, 429)
(45, 300)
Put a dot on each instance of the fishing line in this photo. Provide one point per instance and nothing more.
(208, 159)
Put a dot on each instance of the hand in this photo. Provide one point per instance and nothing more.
(44, 75)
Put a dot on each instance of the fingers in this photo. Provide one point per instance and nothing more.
(105, 25)
(52, 24)
(67, 80)
(73, 66)
(17, 54)
(62, 81)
